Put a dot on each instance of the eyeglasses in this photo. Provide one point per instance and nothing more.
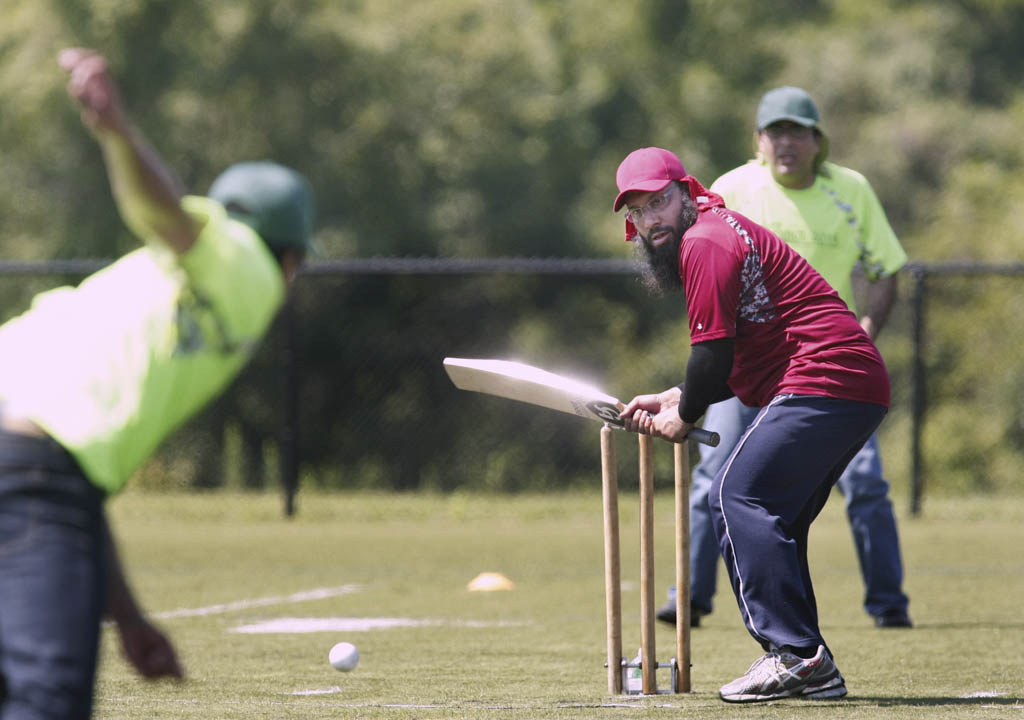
(797, 132)
(656, 205)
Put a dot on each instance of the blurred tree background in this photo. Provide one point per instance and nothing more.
(479, 128)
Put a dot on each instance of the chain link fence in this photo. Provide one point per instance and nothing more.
(348, 390)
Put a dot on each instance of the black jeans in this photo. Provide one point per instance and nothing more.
(52, 580)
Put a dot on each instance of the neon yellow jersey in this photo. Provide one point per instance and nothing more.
(837, 224)
(111, 367)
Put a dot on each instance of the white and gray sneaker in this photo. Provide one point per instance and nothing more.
(783, 674)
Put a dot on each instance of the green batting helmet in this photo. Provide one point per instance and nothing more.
(273, 200)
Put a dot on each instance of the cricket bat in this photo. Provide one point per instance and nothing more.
(525, 383)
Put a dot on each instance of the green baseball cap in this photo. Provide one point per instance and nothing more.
(787, 103)
(273, 200)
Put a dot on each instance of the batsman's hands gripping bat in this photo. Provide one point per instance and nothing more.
(657, 415)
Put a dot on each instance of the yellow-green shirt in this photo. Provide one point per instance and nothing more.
(111, 367)
(837, 224)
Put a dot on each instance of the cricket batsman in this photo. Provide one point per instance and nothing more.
(767, 328)
(93, 378)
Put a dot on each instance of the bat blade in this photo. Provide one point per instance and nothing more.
(525, 383)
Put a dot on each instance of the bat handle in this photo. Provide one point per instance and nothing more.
(707, 437)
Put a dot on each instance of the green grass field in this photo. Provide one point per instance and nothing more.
(209, 564)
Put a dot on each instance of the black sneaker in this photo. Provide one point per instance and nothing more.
(782, 675)
(667, 614)
(893, 619)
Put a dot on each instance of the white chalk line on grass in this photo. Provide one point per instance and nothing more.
(304, 596)
(325, 691)
(333, 690)
(294, 625)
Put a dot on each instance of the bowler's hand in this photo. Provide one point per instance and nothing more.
(92, 87)
(149, 650)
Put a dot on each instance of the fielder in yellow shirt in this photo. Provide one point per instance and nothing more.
(93, 378)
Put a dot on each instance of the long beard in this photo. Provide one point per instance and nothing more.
(659, 266)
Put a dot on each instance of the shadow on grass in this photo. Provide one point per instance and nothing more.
(966, 625)
(976, 625)
(1000, 701)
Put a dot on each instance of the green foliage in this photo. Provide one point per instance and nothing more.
(974, 436)
(468, 128)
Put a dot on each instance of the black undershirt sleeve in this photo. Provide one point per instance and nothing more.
(707, 377)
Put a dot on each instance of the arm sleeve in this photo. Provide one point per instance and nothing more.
(707, 378)
(881, 252)
(230, 267)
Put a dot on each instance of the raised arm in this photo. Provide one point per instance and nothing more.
(147, 195)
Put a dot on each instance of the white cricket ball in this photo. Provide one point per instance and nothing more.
(344, 656)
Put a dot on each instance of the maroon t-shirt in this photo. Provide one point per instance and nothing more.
(793, 334)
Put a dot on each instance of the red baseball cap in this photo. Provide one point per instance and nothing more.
(648, 169)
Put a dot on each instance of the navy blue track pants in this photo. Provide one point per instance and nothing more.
(764, 499)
